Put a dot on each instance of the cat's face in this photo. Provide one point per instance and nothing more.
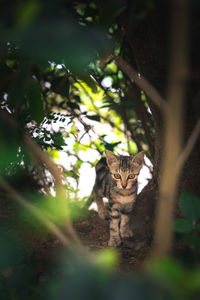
(124, 169)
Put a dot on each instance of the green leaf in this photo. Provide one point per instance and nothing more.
(27, 11)
(10, 251)
(128, 103)
(5, 74)
(58, 139)
(190, 206)
(18, 89)
(169, 272)
(197, 227)
(193, 240)
(194, 281)
(94, 118)
(60, 85)
(111, 147)
(73, 105)
(57, 37)
(182, 226)
(89, 81)
(106, 259)
(34, 98)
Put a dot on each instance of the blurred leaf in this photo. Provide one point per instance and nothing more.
(190, 206)
(109, 11)
(109, 105)
(193, 240)
(107, 259)
(76, 208)
(128, 104)
(47, 290)
(60, 85)
(88, 79)
(59, 38)
(9, 251)
(182, 226)
(53, 153)
(194, 281)
(133, 147)
(184, 283)
(6, 74)
(27, 11)
(111, 146)
(58, 139)
(35, 101)
(53, 208)
(111, 67)
(82, 280)
(197, 227)
(18, 89)
(15, 273)
(94, 118)
(171, 274)
(9, 149)
(73, 105)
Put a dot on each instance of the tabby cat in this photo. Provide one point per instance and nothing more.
(116, 179)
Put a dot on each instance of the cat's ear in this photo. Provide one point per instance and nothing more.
(138, 160)
(111, 158)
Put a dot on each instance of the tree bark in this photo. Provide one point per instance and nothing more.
(148, 41)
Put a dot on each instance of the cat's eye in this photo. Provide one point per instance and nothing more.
(117, 176)
(131, 176)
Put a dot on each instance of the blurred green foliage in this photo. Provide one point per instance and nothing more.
(188, 227)
(51, 86)
(50, 74)
(92, 277)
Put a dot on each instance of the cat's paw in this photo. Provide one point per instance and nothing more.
(114, 243)
(126, 233)
(103, 213)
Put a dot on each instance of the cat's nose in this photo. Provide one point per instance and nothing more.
(124, 186)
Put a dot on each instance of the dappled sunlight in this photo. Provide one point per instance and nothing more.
(81, 81)
(86, 180)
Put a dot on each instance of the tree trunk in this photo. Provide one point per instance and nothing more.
(149, 45)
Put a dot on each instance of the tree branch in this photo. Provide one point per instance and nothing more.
(140, 81)
(173, 130)
(36, 212)
(188, 148)
(39, 154)
(143, 116)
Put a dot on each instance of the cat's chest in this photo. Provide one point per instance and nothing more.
(123, 197)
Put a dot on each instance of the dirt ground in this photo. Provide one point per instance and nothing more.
(94, 233)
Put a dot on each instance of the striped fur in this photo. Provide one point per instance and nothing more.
(116, 179)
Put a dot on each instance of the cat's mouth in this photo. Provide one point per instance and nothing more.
(124, 188)
(127, 187)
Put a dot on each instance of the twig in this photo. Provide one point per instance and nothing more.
(40, 174)
(42, 156)
(37, 152)
(141, 82)
(36, 212)
(189, 146)
(142, 114)
(56, 172)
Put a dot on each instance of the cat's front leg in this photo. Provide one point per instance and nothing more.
(125, 229)
(115, 215)
(102, 209)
